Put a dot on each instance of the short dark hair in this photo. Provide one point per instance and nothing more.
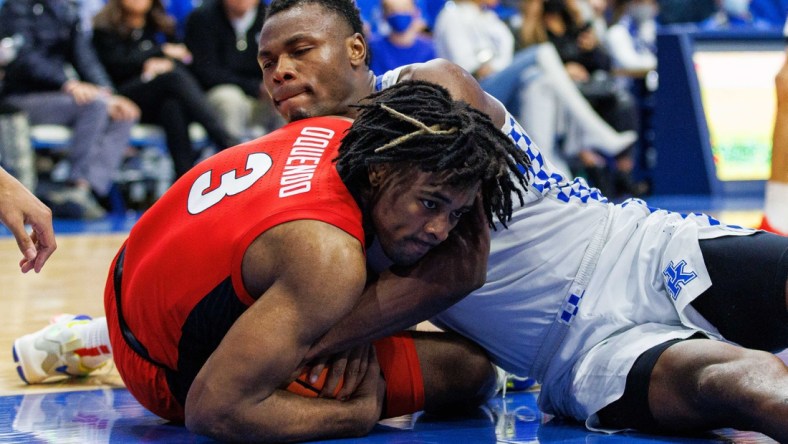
(346, 9)
(417, 124)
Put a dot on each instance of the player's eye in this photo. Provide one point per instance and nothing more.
(429, 204)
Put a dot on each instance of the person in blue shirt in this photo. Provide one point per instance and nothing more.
(406, 41)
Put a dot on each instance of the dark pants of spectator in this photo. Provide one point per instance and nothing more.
(173, 100)
(98, 143)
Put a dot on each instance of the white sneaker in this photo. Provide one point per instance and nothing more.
(54, 350)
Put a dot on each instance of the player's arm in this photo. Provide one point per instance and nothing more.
(18, 207)
(461, 85)
(308, 275)
(404, 296)
(780, 135)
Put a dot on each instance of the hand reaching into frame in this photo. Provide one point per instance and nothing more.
(18, 207)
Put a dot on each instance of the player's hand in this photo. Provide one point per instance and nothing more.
(369, 395)
(347, 368)
(18, 206)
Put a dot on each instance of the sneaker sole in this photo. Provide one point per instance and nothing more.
(19, 369)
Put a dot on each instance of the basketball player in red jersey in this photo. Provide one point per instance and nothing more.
(225, 283)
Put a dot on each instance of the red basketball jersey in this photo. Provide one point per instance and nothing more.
(188, 247)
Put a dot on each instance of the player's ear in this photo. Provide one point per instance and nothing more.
(377, 172)
(357, 50)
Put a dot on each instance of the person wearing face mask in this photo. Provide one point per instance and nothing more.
(733, 14)
(631, 39)
(406, 41)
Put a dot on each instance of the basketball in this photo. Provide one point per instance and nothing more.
(301, 386)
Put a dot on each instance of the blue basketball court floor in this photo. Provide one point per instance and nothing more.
(113, 416)
(107, 413)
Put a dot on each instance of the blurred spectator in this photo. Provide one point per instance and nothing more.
(222, 37)
(57, 79)
(685, 11)
(375, 23)
(596, 12)
(532, 83)
(406, 41)
(734, 14)
(574, 39)
(632, 38)
(87, 10)
(16, 152)
(130, 37)
(470, 34)
(590, 66)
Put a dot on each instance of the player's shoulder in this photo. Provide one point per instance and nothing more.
(309, 251)
(431, 70)
(314, 240)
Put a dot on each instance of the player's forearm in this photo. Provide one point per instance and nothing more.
(779, 171)
(461, 85)
(402, 297)
(391, 304)
(285, 417)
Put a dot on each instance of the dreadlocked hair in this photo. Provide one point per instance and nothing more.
(345, 9)
(416, 123)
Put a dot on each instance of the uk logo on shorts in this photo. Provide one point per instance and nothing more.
(676, 277)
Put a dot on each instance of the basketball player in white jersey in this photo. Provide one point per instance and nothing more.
(629, 316)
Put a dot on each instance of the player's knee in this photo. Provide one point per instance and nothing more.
(744, 385)
(482, 379)
(458, 375)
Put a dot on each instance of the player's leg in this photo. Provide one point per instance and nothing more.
(705, 384)
(457, 373)
(748, 301)
(700, 384)
(433, 371)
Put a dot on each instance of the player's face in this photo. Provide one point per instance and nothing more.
(412, 216)
(308, 56)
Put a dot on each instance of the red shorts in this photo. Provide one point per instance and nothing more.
(147, 382)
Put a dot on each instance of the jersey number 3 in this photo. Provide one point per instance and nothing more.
(257, 164)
